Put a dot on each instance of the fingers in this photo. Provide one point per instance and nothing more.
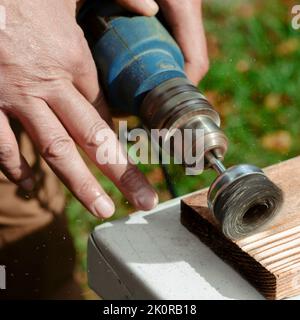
(185, 21)
(145, 7)
(99, 141)
(12, 163)
(60, 152)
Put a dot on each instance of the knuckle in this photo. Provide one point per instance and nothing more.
(59, 148)
(131, 179)
(6, 152)
(60, 85)
(92, 138)
(14, 173)
(78, 53)
(84, 189)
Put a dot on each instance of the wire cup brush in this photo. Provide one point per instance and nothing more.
(242, 198)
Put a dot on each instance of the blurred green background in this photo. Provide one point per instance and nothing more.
(253, 82)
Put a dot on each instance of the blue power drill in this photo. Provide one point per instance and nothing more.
(141, 69)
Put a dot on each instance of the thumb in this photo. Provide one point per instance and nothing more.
(146, 7)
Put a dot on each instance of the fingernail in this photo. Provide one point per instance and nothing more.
(104, 207)
(27, 184)
(147, 199)
(153, 6)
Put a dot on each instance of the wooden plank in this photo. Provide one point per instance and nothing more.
(270, 258)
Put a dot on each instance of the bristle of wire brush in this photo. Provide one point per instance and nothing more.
(246, 205)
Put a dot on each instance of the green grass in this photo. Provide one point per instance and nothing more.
(254, 83)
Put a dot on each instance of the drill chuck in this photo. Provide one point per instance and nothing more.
(178, 105)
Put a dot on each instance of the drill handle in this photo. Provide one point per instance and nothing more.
(134, 54)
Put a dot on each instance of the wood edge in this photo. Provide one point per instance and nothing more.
(229, 251)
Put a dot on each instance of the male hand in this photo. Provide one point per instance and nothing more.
(47, 81)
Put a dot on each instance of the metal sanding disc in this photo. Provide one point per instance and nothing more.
(247, 204)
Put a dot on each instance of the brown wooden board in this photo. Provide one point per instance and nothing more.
(268, 259)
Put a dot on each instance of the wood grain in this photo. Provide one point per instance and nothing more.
(269, 259)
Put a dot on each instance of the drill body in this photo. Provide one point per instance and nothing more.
(135, 55)
(141, 69)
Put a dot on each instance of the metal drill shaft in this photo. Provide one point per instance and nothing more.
(215, 163)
